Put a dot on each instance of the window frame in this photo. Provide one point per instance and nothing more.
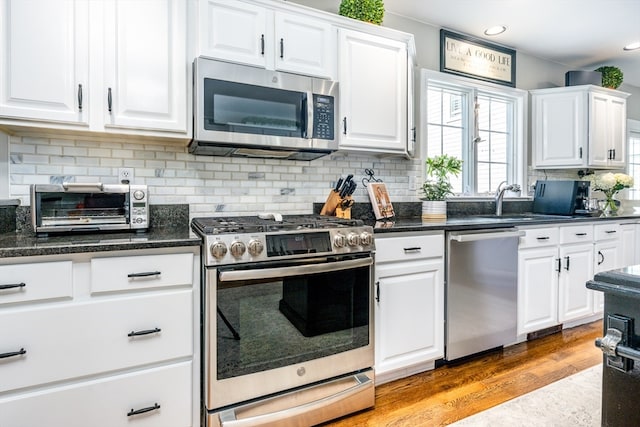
(517, 162)
(633, 127)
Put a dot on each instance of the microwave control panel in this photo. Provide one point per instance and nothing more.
(323, 117)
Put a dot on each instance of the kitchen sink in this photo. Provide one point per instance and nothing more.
(526, 217)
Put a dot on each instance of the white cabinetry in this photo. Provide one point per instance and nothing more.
(628, 244)
(135, 52)
(373, 75)
(554, 264)
(607, 254)
(117, 328)
(44, 71)
(409, 304)
(578, 126)
(274, 39)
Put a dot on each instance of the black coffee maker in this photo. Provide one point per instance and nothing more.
(561, 197)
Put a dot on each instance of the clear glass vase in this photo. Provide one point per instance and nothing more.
(610, 207)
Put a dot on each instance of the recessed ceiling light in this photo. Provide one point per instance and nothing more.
(495, 30)
(632, 46)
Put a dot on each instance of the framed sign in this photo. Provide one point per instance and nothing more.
(476, 58)
(380, 200)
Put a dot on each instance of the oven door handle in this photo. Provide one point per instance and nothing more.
(299, 270)
(362, 382)
(80, 187)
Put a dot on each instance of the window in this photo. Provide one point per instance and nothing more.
(633, 162)
(482, 124)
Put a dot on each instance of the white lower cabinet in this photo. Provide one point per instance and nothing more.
(115, 343)
(164, 394)
(409, 304)
(609, 253)
(554, 263)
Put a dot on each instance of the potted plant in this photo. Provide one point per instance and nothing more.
(364, 10)
(437, 186)
(611, 76)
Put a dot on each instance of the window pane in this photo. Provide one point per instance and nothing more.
(498, 116)
(499, 148)
(434, 106)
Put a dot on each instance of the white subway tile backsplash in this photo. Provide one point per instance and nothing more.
(220, 185)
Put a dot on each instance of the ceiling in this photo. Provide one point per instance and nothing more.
(581, 34)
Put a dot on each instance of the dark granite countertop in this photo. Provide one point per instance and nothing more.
(624, 282)
(458, 223)
(16, 244)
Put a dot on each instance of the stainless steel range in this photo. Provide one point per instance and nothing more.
(287, 319)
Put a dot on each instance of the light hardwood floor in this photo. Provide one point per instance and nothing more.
(452, 392)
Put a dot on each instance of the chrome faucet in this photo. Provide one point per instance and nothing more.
(500, 195)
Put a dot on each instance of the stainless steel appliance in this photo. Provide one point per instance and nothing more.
(481, 291)
(70, 207)
(287, 319)
(247, 111)
(561, 197)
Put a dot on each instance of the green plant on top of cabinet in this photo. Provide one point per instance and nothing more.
(578, 126)
(138, 66)
(274, 39)
(364, 10)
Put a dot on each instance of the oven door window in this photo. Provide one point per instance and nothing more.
(82, 208)
(244, 108)
(271, 323)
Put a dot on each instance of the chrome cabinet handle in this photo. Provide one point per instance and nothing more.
(13, 353)
(109, 100)
(79, 97)
(144, 332)
(13, 286)
(132, 412)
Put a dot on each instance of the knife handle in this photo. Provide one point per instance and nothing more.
(338, 184)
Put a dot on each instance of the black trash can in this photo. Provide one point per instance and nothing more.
(620, 345)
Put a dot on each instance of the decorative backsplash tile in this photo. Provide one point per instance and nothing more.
(220, 185)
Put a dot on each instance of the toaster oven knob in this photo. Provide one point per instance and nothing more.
(138, 194)
(255, 247)
(353, 239)
(218, 250)
(339, 240)
(366, 238)
(237, 249)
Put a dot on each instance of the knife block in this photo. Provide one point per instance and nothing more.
(330, 205)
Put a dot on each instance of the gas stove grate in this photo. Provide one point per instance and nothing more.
(251, 224)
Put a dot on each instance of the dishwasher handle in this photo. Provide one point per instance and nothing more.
(472, 237)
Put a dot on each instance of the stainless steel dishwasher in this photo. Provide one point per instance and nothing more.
(481, 290)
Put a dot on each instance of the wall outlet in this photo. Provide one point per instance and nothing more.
(125, 175)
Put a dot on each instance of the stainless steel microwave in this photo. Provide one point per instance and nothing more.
(241, 110)
(72, 207)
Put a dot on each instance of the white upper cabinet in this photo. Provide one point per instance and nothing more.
(578, 126)
(145, 65)
(373, 93)
(44, 70)
(274, 39)
(113, 66)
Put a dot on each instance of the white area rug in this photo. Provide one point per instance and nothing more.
(572, 401)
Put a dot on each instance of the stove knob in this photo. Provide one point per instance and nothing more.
(366, 238)
(255, 247)
(353, 239)
(339, 240)
(218, 250)
(237, 249)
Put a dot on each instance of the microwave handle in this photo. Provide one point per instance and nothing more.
(81, 186)
(310, 107)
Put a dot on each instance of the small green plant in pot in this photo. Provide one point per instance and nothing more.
(437, 186)
(363, 10)
(611, 76)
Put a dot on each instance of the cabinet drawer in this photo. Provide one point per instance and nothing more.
(141, 272)
(576, 234)
(37, 281)
(107, 401)
(69, 341)
(607, 231)
(538, 237)
(409, 247)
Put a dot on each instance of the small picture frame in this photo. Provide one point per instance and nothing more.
(380, 200)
